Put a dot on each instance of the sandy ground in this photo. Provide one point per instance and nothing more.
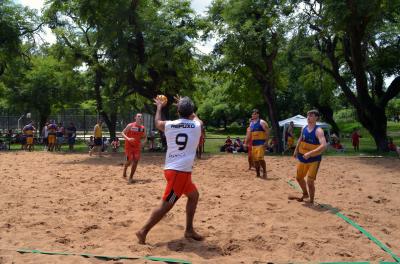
(81, 204)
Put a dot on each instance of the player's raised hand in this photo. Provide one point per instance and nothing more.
(177, 98)
(159, 101)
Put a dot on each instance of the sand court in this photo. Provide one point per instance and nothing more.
(81, 204)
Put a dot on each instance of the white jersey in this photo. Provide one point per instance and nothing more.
(182, 136)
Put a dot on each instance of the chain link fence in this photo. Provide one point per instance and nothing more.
(83, 120)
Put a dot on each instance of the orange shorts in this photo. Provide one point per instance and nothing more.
(132, 154)
(178, 183)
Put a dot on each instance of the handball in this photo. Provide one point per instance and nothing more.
(162, 98)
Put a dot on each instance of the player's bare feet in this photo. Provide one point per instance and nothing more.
(124, 176)
(264, 175)
(131, 181)
(193, 235)
(299, 199)
(141, 237)
(309, 202)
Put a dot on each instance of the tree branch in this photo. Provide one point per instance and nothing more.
(25, 31)
(392, 91)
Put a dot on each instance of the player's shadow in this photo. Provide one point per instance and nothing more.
(141, 181)
(205, 249)
(322, 207)
(270, 179)
(115, 159)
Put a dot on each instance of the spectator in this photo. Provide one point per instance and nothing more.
(335, 143)
(115, 144)
(228, 146)
(21, 138)
(272, 144)
(393, 147)
(105, 145)
(163, 141)
(60, 136)
(355, 139)
(91, 143)
(289, 137)
(238, 145)
(45, 135)
(151, 138)
(71, 136)
(334, 139)
(9, 133)
(9, 138)
(97, 135)
(3, 145)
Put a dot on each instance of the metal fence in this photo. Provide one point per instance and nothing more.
(83, 120)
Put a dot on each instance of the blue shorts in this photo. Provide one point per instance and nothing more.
(71, 141)
(60, 140)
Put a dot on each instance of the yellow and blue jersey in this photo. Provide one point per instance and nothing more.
(28, 130)
(309, 141)
(52, 129)
(97, 131)
(258, 134)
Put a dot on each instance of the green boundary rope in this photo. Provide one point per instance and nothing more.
(358, 262)
(168, 260)
(354, 224)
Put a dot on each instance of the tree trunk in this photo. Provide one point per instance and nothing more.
(113, 125)
(44, 113)
(375, 121)
(270, 98)
(42, 122)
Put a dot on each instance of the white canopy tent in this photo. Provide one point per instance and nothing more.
(299, 121)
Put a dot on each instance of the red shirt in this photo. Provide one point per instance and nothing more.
(136, 132)
(392, 147)
(355, 137)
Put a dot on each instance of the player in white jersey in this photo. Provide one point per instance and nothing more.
(182, 136)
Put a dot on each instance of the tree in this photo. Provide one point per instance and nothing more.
(222, 97)
(129, 47)
(360, 45)
(46, 83)
(309, 85)
(251, 35)
(17, 23)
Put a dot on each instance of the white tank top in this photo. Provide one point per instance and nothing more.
(182, 136)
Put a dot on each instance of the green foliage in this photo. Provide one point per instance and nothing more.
(223, 98)
(393, 108)
(133, 50)
(17, 23)
(345, 115)
(45, 84)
